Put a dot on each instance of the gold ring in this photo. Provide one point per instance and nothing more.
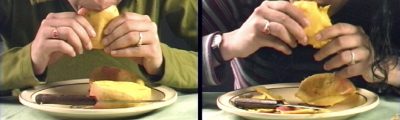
(140, 42)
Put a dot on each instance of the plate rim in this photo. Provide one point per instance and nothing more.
(348, 112)
(170, 98)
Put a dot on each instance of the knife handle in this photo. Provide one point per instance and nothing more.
(249, 103)
(64, 99)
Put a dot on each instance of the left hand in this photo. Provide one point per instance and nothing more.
(123, 40)
(346, 39)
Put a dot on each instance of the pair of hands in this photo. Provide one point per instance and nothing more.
(69, 33)
(286, 24)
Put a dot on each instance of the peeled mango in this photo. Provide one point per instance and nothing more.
(99, 20)
(325, 89)
(106, 92)
(318, 18)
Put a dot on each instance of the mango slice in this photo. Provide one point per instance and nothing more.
(99, 20)
(112, 94)
(325, 89)
(318, 18)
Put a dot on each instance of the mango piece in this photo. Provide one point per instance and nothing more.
(106, 91)
(325, 90)
(99, 20)
(319, 20)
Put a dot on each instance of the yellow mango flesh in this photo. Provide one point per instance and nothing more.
(318, 18)
(99, 20)
(325, 90)
(105, 91)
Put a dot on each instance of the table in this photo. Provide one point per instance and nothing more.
(185, 108)
(387, 108)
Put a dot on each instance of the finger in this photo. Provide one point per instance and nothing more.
(350, 71)
(121, 19)
(290, 10)
(141, 51)
(80, 19)
(76, 26)
(130, 39)
(292, 26)
(278, 30)
(126, 27)
(56, 45)
(68, 34)
(275, 43)
(339, 44)
(336, 30)
(344, 58)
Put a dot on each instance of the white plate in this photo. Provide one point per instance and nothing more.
(81, 87)
(367, 101)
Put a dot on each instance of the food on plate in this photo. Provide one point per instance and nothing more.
(114, 84)
(325, 89)
(264, 101)
(319, 19)
(115, 74)
(99, 20)
(112, 94)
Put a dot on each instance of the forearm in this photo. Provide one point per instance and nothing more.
(16, 69)
(180, 70)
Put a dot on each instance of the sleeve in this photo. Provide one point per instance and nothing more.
(16, 69)
(180, 69)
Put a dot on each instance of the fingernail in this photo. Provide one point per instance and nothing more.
(105, 40)
(113, 52)
(93, 33)
(106, 32)
(307, 22)
(90, 46)
(305, 40)
(318, 37)
(326, 67)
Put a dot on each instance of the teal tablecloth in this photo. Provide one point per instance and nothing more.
(185, 108)
(387, 108)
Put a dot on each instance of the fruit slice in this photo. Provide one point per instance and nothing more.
(99, 21)
(325, 90)
(319, 19)
(105, 92)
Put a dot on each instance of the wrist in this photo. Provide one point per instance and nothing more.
(225, 47)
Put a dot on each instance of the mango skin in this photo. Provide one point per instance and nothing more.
(318, 18)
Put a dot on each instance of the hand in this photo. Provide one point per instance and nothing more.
(347, 39)
(123, 39)
(285, 29)
(60, 34)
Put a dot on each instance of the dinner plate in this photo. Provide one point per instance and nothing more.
(81, 87)
(365, 101)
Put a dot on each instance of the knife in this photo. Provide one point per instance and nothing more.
(79, 100)
(250, 103)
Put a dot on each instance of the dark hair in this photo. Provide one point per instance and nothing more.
(382, 37)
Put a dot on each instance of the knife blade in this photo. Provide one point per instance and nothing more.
(250, 103)
(79, 100)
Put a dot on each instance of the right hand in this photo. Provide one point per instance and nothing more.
(286, 24)
(65, 33)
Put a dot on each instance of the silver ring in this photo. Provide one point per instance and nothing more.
(266, 29)
(140, 42)
(352, 62)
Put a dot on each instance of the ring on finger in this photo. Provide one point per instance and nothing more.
(266, 29)
(140, 42)
(55, 34)
(353, 55)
